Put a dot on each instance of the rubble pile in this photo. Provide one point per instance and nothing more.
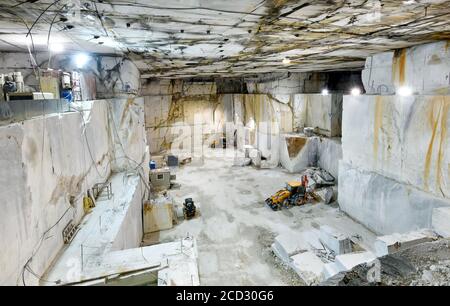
(426, 264)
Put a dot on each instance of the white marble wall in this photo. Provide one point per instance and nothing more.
(396, 161)
(47, 165)
(323, 112)
(404, 138)
(425, 69)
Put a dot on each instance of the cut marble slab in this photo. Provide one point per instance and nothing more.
(336, 241)
(389, 244)
(309, 267)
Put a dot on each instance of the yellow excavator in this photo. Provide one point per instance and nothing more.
(293, 194)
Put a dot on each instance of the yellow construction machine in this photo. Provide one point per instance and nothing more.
(293, 194)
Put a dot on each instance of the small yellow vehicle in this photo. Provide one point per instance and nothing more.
(293, 194)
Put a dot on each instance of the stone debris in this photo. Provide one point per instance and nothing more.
(436, 275)
(318, 177)
(326, 195)
(309, 131)
(256, 157)
(426, 264)
(325, 256)
(316, 256)
(242, 161)
(333, 272)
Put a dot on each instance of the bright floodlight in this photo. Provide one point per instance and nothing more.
(324, 92)
(286, 61)
(81, 59)
(405, 91)
(356, 92)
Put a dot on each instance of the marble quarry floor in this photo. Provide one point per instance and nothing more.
(235, 229)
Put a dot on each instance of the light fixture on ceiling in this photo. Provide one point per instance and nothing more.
(286, 61)
(325, 92)
(81, 59)
(356, 91)
(56, 48)
(405, 91)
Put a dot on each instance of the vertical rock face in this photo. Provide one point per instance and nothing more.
(192, 121)
(16, 226)
(329, 155)
(403, 138)
(382, 204)
(47, 165)
(395, 160)
(175, 120)
(425, 69)
(299, 152)
(322, 112)
(128, 138)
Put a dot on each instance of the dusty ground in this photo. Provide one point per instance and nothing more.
(236, 229)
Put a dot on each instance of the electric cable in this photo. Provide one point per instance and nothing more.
(40, 244)
(35, 67)
(87, 142)
(100, 18)
(34, 64)
(39, 17)
(50, 29)
(139, 165)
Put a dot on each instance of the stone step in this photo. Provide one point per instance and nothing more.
(389, 244)
(289, 244)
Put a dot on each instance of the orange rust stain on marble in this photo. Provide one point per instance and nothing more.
(434, 122)
(388, 129)
(378, 122)
(442, 140)
(129, 102)
(295, 145)
(399, 67)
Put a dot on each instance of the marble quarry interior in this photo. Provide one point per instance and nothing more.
(224, 143)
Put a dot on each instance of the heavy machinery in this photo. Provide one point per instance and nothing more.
(188, 209)
(294, 194)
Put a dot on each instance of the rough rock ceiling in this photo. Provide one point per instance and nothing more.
(185, 38)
